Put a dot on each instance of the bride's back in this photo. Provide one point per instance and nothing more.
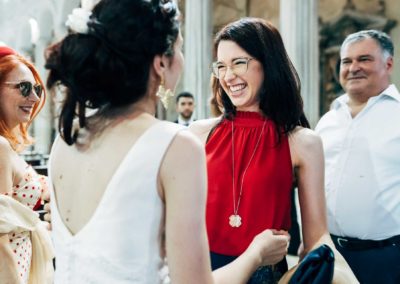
(82, 172)
(120, 236)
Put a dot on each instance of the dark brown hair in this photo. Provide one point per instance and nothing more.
(280, 98)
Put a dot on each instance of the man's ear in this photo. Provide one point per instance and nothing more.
(159, 63)
(389, 64)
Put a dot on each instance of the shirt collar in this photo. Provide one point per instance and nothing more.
(390, 91)
(185, 122)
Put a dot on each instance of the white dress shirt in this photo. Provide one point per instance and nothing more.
(184, 122)
(362, 167)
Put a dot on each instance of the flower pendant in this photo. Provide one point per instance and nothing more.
(235, 221)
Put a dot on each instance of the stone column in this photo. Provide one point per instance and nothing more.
(299, 29)
(43, 124)
(197, 49)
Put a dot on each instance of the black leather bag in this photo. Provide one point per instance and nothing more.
(316, 268)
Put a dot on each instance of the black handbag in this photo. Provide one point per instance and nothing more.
(316, 267)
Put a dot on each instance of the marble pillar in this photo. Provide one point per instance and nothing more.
(299, 30)
(198, 56)
(43, 124)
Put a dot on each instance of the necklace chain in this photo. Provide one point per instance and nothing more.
(235, 219)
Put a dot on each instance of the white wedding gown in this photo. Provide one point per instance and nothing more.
(122, 242)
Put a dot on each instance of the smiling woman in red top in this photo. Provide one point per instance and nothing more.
(259, 147)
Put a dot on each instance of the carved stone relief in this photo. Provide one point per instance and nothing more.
(268, 10)
(370, 6)
(329, 9)
(226, 11)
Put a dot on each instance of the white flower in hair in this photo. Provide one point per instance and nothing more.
(168, 7)
(78, 20)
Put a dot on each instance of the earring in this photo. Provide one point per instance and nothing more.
(164, 94)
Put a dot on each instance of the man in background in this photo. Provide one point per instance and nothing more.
(361, 139)
(184, 108)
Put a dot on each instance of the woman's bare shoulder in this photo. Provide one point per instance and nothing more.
(304, 137)
(186, 141)
(305, 145)
(5, 147)
(202, 125)
(201, 128)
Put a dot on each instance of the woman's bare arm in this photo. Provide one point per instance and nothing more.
(183, 179)
(308, 159)
(184, 221)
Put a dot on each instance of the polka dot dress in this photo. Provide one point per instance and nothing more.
(28, 192)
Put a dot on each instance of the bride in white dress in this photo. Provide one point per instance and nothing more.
(128, 189)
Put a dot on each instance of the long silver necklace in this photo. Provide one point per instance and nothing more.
(235, 220)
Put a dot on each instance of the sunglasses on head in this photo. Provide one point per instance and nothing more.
(26, 87)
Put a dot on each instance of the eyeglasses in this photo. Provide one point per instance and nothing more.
(26, 87)
(238, 67)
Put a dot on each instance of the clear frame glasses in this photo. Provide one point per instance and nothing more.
(238, 67)
(26, 88)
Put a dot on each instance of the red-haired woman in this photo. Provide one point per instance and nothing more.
(24, 248)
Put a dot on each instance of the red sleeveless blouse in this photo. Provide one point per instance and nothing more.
(267, 184)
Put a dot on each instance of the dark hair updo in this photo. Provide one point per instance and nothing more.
(109, 66)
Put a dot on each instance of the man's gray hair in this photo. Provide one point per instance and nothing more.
(381, 38)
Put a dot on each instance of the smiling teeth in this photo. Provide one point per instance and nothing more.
(238, 87)
(27, 109)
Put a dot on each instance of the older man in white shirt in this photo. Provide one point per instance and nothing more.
(361, 139)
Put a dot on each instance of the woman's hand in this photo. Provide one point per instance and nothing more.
(269, 247)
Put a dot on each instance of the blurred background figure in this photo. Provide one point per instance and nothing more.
(185, 108)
